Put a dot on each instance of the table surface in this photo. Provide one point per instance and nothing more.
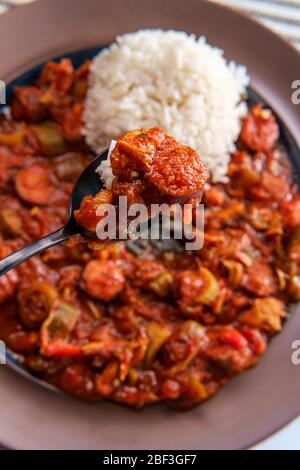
(283, 16)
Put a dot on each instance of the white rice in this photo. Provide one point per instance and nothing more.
(104, 169)
(170, 80)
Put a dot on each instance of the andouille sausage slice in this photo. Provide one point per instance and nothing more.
(35, 186)
(178, 173)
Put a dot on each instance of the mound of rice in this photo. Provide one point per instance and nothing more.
(167, 79)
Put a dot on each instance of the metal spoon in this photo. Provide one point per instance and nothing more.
(88, 183)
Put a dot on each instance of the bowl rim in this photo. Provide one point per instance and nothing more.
(65, 51)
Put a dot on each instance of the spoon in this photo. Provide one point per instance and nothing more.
(88, 183)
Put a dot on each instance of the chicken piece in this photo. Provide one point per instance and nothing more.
(196, 289)
(10, 222)
(229, 349)
(27, 105)
(153, 277)
(72, 123)
(265, 314)
(58, 76)
(134, 152)
(182, 347)
(147, 271)
(259, 130)
(260, 280)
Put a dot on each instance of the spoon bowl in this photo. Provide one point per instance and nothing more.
(88, 183)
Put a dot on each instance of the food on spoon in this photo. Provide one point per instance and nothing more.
(148, 166)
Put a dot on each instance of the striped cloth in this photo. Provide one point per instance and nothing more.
(6, 4)
(283, 16)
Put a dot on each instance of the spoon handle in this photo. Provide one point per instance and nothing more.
(21, 255)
